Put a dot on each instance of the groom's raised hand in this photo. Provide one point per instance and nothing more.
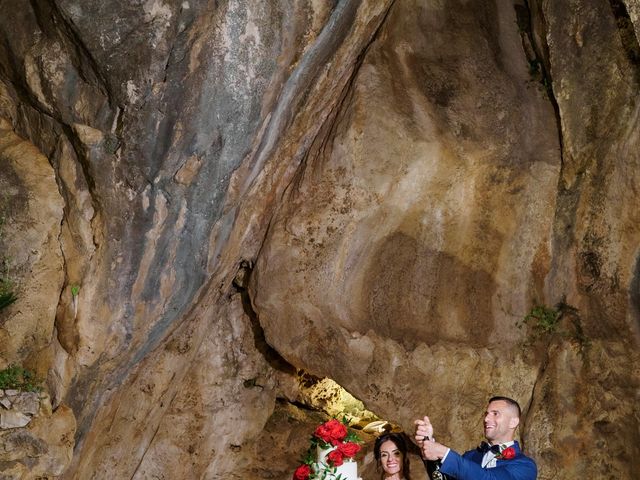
(431, 450)
(424, 430)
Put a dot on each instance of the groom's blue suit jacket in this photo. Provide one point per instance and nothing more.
(468, 467)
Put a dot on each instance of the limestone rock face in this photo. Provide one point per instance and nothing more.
(458, 223)
(204, 199)
(39, 446)
(31, 255)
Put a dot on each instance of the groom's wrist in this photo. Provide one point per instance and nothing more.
(442, 459)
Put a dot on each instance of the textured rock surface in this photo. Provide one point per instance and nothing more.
(31, 216)
(41, 449)
(374, 191)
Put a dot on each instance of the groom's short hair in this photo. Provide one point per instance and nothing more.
(510, 401)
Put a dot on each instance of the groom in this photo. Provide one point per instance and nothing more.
(500, 459)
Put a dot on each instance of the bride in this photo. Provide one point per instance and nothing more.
(390, 452)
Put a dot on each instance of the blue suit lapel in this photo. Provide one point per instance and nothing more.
(476, 457)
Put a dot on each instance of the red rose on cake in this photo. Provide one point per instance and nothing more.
(332, 432)
(349, 449)
(335, 458)
(302, 472)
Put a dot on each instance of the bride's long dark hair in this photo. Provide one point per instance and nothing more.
(400, 442)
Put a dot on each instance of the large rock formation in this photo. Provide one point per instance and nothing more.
(205, 197)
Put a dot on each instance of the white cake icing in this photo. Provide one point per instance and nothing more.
(347, 471)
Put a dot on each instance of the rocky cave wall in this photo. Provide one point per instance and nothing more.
(203, 198)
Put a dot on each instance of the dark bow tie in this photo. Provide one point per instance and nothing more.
(484, 447)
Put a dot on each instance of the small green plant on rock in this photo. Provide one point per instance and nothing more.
(7, 287)
(561, 321)
(543, 319)
(75, 291)
(7, 295)
(14, 377)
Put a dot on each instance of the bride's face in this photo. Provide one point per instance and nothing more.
(390, 458)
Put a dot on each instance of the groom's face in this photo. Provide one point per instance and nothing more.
(500, 422)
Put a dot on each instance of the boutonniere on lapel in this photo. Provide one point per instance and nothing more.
(500, 451)
(506, 454)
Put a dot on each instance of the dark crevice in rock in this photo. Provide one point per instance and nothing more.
(170, 56)
(297, 404)
(317, 146)
(10, 74)
(537, 54)
(270, 354)
(26, 100)
(52, 21)
(537, 385)
(334, 117)
(267, 230)
(306, 72)
(627, 36)
(533, 27)
(58, 328)
(84, 163)
(320, 141)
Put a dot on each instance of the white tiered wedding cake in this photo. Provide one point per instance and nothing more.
(331, 455)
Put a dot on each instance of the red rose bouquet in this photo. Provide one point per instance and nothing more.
(334, 436)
